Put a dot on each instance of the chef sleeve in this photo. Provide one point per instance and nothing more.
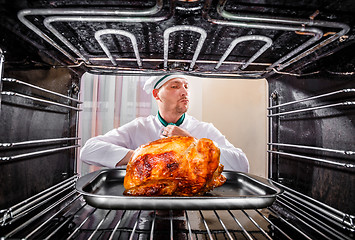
(106, 150)
(231, 157)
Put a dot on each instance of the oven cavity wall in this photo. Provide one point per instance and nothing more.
(38, 135)
(311, 143)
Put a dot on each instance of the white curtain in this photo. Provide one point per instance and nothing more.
(110, 101)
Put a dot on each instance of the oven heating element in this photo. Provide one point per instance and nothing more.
(78, 54)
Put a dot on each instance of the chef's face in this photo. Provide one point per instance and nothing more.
(174, 95)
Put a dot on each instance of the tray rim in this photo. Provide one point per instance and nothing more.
(90, 177)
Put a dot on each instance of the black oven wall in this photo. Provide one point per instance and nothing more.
(27, 115)
(326, 122)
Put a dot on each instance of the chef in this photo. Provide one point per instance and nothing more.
(171, 93)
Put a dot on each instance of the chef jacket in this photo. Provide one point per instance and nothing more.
(107, 150)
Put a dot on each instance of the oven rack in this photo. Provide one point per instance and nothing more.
(303, 27)
(280, 113)
(61, 213)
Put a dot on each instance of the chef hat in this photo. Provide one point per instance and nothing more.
(158, 81)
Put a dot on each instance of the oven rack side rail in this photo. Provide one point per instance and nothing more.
(272, 144)
(35, 153)
(15, 213)
(67, 142)
(41, 100)
(317, 213)
(338, 92)
(13, 80)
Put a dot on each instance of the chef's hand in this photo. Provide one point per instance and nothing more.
(172, 130)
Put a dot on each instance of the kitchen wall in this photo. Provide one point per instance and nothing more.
(238, 108)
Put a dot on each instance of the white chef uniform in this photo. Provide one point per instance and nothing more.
(106, 150)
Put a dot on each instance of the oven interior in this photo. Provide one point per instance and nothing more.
(304, 49)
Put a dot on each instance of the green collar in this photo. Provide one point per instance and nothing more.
(165, 123)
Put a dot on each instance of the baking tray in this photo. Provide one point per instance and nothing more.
(104, 189)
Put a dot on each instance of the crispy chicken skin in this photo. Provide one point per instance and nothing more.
(178, 166)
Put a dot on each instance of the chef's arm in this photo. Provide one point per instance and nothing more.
(125, 159)
(234, 159)
(109, 150)
(231, 157)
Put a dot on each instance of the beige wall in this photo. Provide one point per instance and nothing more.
(238, 108)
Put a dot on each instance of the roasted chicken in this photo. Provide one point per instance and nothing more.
(178, 166)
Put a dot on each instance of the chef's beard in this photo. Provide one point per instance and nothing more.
(182, 110)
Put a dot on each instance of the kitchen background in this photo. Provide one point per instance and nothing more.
(238, 108)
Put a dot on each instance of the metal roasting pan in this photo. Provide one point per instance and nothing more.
(104, 189)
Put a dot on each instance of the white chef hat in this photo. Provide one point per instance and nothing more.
(158, 81)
